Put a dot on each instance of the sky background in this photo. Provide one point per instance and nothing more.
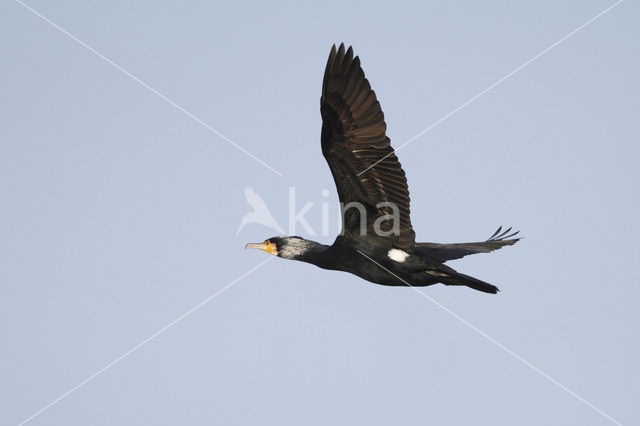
(119, 214)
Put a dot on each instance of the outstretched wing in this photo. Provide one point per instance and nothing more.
(444, 252)
(364, 166)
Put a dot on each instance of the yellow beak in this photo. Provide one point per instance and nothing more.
(267, 246)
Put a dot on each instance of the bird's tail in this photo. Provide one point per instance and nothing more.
(455, 278)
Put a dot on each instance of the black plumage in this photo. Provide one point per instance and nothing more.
(377, 241)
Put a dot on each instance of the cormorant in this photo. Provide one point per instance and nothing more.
(377, 242)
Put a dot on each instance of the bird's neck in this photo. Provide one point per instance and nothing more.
(313, 253)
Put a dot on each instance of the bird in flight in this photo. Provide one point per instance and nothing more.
(377, 242)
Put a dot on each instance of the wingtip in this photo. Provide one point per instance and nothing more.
(342, 48)
(495, 233)
(504, 235)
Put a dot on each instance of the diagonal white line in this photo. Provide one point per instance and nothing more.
(496, 83)
(139, 345)
(119, 68)
(500, 345)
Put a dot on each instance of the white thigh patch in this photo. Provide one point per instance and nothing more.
(398, 255)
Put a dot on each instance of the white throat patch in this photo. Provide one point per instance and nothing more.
(398, 255)
(294, 247)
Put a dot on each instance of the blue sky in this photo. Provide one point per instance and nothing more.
(120, 214)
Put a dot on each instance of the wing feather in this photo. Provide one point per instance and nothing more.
(444, 252)
(353, 140)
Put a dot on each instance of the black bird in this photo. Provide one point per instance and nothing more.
(377, 242)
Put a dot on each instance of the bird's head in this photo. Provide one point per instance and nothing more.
(285, 247)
